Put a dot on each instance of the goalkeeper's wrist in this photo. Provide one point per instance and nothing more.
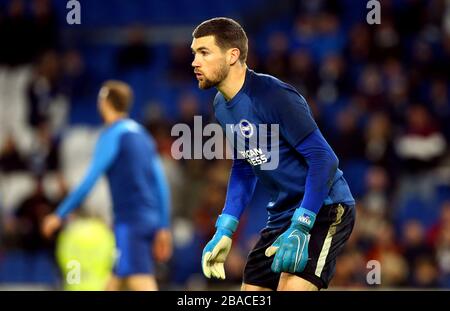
(303, 218)
(227, 224)
(60, 214)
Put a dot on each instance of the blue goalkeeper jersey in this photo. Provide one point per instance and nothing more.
(266, 122)
(126, 153)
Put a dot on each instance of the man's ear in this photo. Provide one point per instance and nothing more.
(234, 55)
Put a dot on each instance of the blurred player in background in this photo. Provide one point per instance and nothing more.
(311, 211)
(139, 190)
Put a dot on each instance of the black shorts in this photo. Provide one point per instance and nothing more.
(332, 228)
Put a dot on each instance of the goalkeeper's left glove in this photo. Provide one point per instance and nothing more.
(291, 247)
(216, 251)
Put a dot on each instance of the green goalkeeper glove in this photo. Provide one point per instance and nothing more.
(291, 247)
(216, 251)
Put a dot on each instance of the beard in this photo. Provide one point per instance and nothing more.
(216, 77)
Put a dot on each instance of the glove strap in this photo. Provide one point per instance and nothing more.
(304, 217)
(228, 223)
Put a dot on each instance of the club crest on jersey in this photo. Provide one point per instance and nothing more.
(246, 128)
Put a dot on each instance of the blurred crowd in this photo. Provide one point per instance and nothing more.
(379, 93)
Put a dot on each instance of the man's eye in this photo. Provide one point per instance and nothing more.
(204, 53)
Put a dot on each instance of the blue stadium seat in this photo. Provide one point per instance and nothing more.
(442, 194)
(44, 269)
(13, 267)
(418, 209)
(28, 267)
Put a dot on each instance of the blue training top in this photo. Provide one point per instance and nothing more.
(138, 186)
(306, 173)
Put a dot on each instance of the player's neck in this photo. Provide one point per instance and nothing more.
(233, 82)
(112, 118)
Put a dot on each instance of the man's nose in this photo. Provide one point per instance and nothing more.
(195, 62)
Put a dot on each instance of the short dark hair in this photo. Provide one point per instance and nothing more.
(119, 95)
(227, 33)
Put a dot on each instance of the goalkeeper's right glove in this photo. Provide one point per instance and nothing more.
(216, 251)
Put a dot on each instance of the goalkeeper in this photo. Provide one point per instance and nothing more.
(311, 211)
(126, 153)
